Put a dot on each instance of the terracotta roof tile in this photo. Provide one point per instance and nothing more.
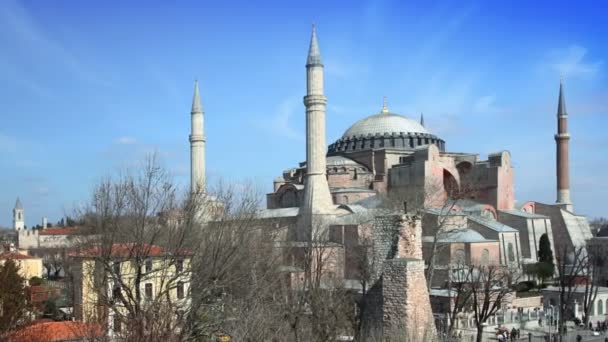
(54, 331)
(59, 231)
(16, 256)
(123, 250)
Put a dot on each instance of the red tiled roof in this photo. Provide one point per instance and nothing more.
(54, 331)
(59, 231)
(15, 256)
(123, 250)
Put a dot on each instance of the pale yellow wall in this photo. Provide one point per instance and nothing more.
(28, 268)
(159, 276)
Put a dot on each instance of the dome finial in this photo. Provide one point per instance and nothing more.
(384, 106)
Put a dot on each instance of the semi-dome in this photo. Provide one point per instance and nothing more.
(382, 123)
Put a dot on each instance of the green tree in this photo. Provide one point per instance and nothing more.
(545, 254)
(13, 301)
(545, 268)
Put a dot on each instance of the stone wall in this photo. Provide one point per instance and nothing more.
(398, 306)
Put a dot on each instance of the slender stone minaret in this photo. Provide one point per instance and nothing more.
(422, 119)
(562, 139)
(197, 144)
(18, 216)
(317, 198)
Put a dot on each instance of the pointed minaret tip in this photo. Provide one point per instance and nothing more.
(561, 106)
(422, 119)
(196, 100)
(314, 53)
(18, 204)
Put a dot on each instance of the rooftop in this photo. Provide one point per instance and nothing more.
(55, 331)
(494, 225)
(16, 256)
(123, 250)
(60, 231)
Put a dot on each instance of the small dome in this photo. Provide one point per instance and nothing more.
(384, 123)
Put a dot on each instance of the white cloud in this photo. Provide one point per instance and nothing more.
(125, 141)
(572, 62)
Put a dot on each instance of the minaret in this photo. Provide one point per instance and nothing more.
(562, 139)
(197, 144)
(18, 216)
(317, 198)
(421, 119)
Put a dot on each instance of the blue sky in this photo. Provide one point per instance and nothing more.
(89, 87)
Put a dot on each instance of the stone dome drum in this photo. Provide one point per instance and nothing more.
(384, 130)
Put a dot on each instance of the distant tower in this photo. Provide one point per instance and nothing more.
(422, 119)
(562, 139)
(197, 144)
(18, 216)
(317, 198)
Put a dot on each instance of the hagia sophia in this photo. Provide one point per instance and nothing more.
(381, 190)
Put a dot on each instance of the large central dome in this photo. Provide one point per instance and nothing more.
(384, 130)
(382, 123)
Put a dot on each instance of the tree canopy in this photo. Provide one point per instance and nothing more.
(13, 299)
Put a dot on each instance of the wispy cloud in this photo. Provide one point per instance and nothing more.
(281, 123)
(125, 141)
(487, 105)
(21, 31)
(573, 61)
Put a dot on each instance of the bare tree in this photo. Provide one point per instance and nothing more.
(139, 265)
(317, 306)
(490, 287)
(571, 267)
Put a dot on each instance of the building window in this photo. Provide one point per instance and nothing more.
(148, 265)
(180, 290)
(117, 324)
(459, 257)
(116, 268)
(600, 307)
(179, 266)
(485, 257)
(148, 291)
(116, 293)
(511, 253)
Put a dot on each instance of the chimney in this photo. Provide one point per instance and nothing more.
(44, 222)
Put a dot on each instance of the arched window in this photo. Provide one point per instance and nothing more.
(592, 311)
(19, 216)
(344, 199)
(511, 252)
(485, 256)
(600, 307)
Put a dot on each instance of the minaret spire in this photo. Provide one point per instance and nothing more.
(317, 198)
(562, 141)
(197, 143)
(421, 119)
(18, 216)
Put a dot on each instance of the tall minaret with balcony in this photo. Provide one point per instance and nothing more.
(197, 144)
(317, 199)
(562, 141)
